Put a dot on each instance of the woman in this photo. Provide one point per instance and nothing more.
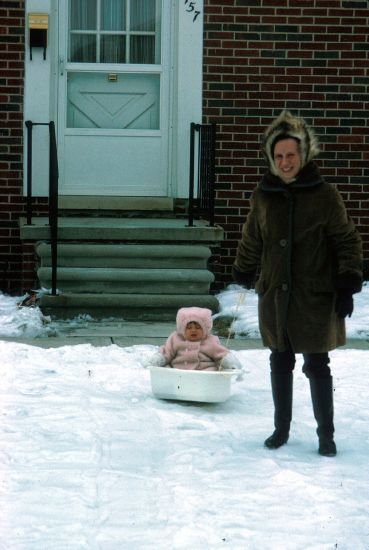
(309, 254)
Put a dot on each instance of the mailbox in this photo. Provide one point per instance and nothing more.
(38, 25)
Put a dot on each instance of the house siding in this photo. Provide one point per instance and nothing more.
(259, 58)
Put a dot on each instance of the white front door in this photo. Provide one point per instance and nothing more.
(113, 110)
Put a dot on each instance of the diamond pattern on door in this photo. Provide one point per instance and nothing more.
(130, 102)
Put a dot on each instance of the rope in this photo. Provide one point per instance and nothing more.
(240, 301)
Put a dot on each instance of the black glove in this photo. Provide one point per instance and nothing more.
(344, 303)
(242, 278)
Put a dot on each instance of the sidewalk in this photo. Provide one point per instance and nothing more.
(127, 334)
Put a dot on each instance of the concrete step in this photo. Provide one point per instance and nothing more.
(85, 203)
(126, 255)
(141, 268)
(137, 281)
(122, 229)
(138, 307)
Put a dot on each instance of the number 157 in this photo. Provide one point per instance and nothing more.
(191, 8)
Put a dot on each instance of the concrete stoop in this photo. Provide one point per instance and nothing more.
(131, 307)
(157, 269)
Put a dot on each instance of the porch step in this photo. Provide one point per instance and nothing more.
(126, 255)
(126, 281)
(162, 230)
(146, 307)
(99, 203)
(134, 281)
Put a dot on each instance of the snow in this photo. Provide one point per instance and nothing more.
(90, 460)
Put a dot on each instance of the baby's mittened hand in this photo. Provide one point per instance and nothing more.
(155, 360)
(230, 362)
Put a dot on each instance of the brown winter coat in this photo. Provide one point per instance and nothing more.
(307, 248)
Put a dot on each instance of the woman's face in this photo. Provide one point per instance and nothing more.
(287, 159)
(194, 332)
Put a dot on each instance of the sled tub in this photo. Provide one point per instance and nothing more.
(191, 385)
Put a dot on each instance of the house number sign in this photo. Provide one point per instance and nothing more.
(191, 8)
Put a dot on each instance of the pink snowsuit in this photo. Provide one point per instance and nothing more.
(180, 353)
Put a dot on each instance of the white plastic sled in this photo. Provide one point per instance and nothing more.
(191, 385)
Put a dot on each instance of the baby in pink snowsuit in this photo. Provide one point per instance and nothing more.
(192, 346)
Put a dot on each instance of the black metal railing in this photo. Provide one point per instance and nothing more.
(202, 171)
(53, 192)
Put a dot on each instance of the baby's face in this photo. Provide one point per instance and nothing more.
(194, 332)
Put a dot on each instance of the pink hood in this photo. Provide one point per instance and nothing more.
(200, 315)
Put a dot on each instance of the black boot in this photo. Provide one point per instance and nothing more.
(282, 397)
(322, 398)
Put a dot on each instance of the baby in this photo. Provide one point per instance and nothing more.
(192, 346)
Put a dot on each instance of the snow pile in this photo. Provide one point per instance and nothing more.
(16, 321)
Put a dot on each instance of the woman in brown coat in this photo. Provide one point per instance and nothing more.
(307, 253)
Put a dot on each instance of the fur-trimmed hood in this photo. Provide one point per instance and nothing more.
(200, 315)
(285, 126)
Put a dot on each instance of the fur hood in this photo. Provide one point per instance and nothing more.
(284, 126)
(200, 315)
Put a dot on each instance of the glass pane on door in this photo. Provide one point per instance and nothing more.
(115, 31)
(142, 49)
(112, 49)
(143, 15)
(83, 15)
(113, 15)
(83, 47)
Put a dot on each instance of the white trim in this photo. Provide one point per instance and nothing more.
(188, 89)
(110, 67)
(37, 97)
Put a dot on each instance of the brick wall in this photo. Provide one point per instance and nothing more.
(11, 141)
(311, 57)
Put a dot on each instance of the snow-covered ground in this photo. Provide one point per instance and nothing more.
(90, 460)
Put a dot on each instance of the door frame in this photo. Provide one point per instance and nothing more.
(157, 141)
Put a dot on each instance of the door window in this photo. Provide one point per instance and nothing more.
(114, 31)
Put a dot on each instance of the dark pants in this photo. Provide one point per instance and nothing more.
(315, 364)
